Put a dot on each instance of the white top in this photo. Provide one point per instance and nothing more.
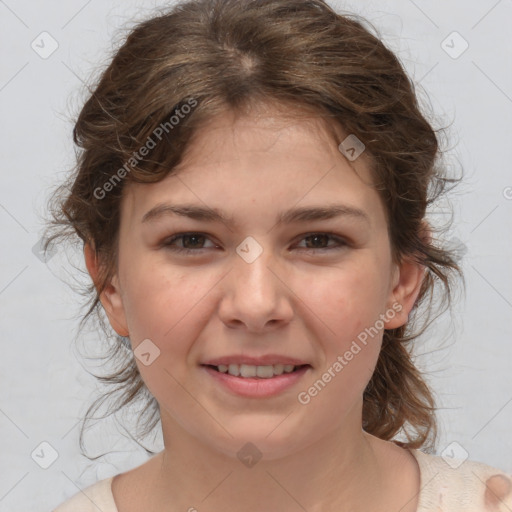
(470, 487)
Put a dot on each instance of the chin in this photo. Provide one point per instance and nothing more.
(262, 443)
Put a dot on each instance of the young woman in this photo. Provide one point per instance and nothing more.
(251, 196)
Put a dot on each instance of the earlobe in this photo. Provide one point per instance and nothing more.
(407, 283)
(110, 297)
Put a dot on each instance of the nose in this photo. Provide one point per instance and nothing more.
(255, 295)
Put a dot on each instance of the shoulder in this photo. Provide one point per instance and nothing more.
(456, 485)
(93, 498)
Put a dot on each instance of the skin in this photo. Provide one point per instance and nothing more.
(291, 300)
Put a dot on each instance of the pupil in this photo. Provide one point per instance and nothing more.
(316, 237)
(188, 237)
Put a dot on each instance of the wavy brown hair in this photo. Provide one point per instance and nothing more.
(218, 55)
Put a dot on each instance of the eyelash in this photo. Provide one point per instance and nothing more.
(169, 241)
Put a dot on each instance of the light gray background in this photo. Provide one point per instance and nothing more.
(45, 390)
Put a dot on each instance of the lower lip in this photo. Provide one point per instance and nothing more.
(256, 387)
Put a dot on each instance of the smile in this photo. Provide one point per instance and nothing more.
(263, 372)
(256, 381)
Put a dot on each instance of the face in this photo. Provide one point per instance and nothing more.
(268, 286)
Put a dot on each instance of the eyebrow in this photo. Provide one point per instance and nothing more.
(298, 214)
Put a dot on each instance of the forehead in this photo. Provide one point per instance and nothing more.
(247, 158)
(267, 130)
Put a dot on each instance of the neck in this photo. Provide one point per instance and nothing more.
(335, 472)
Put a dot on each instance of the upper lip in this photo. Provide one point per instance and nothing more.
(268, 359)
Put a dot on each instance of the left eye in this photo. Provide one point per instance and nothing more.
(193, 242)
(320, 238)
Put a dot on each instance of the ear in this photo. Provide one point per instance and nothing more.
(407, 282)
(110, 297)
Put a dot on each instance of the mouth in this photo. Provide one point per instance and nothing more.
(247, 371)
(255, 381)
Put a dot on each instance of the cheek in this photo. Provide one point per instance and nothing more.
(347, 301)
(157, 299)
(349, 304)
(166, 308)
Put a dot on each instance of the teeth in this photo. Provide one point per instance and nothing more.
(278, 369)
(248, 371)
(234, 369)
(263, 372)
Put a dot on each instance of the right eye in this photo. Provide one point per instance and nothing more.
(192, 240)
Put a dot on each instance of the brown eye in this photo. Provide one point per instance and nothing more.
(320, 242)
(191, 243)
